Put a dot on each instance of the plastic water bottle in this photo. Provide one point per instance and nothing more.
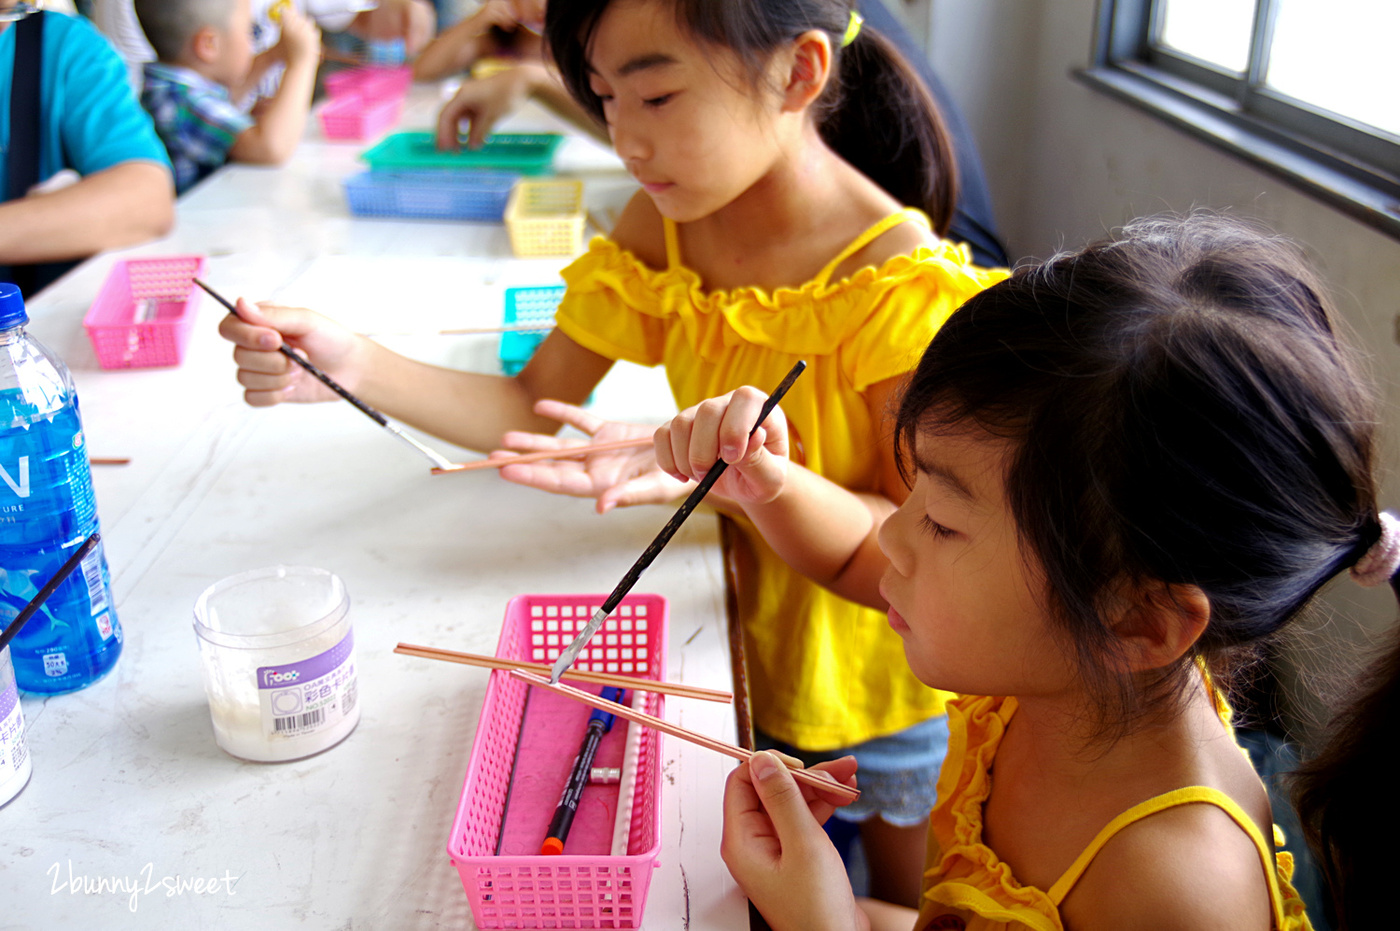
(47, 509)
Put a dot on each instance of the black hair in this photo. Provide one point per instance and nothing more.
(875, 112)
(1177, 409)
(1343, 794)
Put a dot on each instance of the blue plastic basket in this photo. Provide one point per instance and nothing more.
(527, 305)
(430, 195)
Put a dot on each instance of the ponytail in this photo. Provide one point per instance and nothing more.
(876, 112)
(882, 118)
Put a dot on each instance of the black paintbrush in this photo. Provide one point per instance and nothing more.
(38, 600)
(570, 654)
(438, 461)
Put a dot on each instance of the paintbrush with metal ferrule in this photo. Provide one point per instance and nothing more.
(438, 461)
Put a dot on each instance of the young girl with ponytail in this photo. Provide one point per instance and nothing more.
(796, 179)
(1131, 465)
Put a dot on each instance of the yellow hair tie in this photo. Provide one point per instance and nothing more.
(852, 29)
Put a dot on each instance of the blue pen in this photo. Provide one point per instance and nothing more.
(599, 723)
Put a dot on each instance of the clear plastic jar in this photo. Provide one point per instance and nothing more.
(277, 654)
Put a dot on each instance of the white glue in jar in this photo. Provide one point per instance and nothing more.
(15, 765)
(278, 657)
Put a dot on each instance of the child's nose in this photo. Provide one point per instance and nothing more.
(892, 536)
(630, 145)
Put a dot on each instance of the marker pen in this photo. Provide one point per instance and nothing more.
(599, 723)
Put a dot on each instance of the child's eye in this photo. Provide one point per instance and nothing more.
(657, 101)
(935, 528)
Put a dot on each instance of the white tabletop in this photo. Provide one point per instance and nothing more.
(130, 799)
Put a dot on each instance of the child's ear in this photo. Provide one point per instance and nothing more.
(809, 68)
(204, 44)
(1160, 623)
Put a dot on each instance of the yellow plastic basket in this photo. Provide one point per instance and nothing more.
(546, 218)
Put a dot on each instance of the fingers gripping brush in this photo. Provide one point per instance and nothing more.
(570, 654)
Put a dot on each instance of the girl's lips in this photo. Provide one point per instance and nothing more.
(896, 619)
(656, 187)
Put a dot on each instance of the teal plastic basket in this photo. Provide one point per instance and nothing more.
(522, 153)
(527, 305)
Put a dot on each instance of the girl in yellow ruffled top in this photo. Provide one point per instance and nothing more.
(795, 176)
(1129, 464)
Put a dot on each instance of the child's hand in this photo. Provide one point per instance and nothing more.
(775, 848)
(484, 103)
(300, 40)
(616, 479)
(690, 444)
(267, 375)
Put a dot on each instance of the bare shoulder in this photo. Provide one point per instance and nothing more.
(640, 231)
(902, 239)
(1188, 867)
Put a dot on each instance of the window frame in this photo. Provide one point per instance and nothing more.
(1351, 166)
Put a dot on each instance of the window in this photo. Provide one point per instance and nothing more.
(1304, 88)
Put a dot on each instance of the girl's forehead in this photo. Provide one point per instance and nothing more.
(637, 36)
(969, 463)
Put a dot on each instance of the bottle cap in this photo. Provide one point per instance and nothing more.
(11, 307)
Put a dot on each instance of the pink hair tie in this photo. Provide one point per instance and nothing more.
(1383, 558)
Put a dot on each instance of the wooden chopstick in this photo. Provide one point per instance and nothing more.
(599, 678)
(563, 452)
(469, 331)
(639, 717)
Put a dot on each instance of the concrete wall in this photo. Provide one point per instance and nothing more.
(1066, 163)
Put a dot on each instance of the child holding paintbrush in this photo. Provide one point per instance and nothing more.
(1131, 464)
(772, 226)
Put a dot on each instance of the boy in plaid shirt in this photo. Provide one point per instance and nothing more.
(204, 50)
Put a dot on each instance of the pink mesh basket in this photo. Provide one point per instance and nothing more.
(143, 315)
(506, 807)
(369, 81)
(356, 118)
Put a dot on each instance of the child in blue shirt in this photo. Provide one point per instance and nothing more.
(204, 47)
(91, 131)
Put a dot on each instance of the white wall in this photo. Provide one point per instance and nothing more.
(1066, 163)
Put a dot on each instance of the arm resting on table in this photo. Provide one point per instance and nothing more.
(120, 206)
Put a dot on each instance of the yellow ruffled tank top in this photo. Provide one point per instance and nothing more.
(824, 672)
(967, 888)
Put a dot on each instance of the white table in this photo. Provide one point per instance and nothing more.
(129, 789)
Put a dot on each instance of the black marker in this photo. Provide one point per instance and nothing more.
(599, 723)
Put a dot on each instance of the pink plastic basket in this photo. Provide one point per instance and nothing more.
(144, 313)
(370, 81)
(506, 807)
(357, 118)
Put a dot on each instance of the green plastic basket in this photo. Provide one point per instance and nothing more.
(524, 153)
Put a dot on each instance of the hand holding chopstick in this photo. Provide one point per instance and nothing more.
(562, 452)
(825, 784)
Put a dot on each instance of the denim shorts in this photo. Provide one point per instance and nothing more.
(898, 774)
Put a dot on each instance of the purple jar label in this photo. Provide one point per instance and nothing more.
(311, 695)
(13, 750)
